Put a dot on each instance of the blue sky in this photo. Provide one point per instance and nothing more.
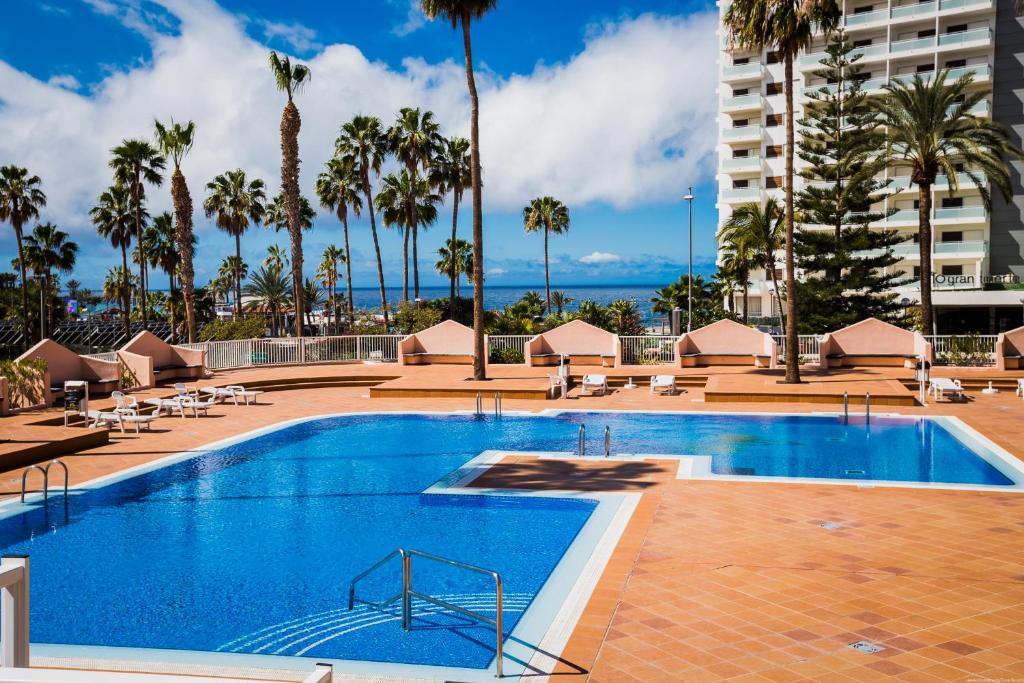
(606, 104)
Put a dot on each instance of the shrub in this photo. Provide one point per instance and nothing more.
(410, 318)
(965, 351)
(228, 330)
(25, 381)
(507, 356)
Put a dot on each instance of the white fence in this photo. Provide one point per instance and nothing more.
(498, 343)
(648, 350)
(809, 346)
(108, 356)
(247, 353)
(964, 349)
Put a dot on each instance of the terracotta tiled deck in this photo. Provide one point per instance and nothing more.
(731, 580)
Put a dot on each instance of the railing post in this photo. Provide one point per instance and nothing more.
(406, 591)
(499, 654)
(14, 637)
(359, 347)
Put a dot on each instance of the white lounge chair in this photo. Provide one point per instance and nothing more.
(181, 390)
(123, 400)
(239, 390)
(1020, 387)
(197, 405)
(105, 418)
(168, 405)
(594, 385)
(131, 416)
(559, 386)
(940, 386)
(663, 384)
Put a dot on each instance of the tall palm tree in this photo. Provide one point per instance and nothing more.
(276, 216)
(560, 300)
(931, 130)
(551, 216)
(314, 296)
(328, 270)
(456, 257)
(136, 162)
(738, 258)
(414, 139)
(234, 269)
(462, 13)
(786, 27)
(162, 251)
(49, 249)
(21, 197)
(113, 218)
(119, 285)
(763, 229)
(450, 173)
(290, 78)
(363, 145)
(236, 202)
(175, 142)
(338, 189)
(276, 257)
(268, 290)
(397, 190)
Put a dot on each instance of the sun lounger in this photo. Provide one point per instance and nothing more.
(240, 390)
(131, 416)
(663, 384)
(168, 405)
(197, 405)
(1020, 387)
(594, 385)
(940, 386)
(105, 418)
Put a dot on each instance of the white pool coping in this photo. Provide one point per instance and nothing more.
(548, 623)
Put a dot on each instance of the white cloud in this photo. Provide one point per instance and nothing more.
(66, 81)
(629, 120)
(496, 271)
(299, 37)
(414, 19)
(599, 257)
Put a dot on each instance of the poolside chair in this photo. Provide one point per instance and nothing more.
(105, 418)
(663, 384)
(594, 385)
(940, 386)
(1020, 387)
(181, 390)
(124, 401)
(198, 405)
(559, 386)
(131, 416)
(239, 390)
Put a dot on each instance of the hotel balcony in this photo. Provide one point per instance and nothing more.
(978, 36)
(742, 134)
(741, 195)
(942, 251)
(960, 214)
(982, 74)
(740, 103)
(741, 165)
(911, 12)
(812, 62)
(742, 72)
(901, 184)
(880, 51)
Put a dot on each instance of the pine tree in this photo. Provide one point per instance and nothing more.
(849, 274)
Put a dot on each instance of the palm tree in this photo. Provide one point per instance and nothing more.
(113, 217)
(931, 130)
(20, 200)
(551, 216)
(175, 142)
(277, 215)
(289, 79)
(234, 269)
(314, 296)
(328, 270)
(450, 173)
(236, 202)
(463, 12)
(397, 190)
(338, 190)
(268, 291)
(456, 257)
(276, 257)
(414, 139)
(763, 230)
(362, 145)
(119, 285)
(47, 250)
(162, 251)
(786, 27)
(136, 162)
(560, 300)
(738, 258)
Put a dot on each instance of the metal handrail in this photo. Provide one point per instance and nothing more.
(479, 403)
(581, 447)
(497, 404)
(24, 480)
(607, 440)
(408, 594)
(46, 478)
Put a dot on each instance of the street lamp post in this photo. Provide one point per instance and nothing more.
(689, 266)
(42, 307)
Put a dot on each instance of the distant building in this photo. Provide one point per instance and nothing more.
(978, 256)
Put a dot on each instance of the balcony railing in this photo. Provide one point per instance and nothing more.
(903, 216)
(865, 18)
(960, 4)
(741, 194)
(980, 72)
(962, 37)
(963, 181)
(960, 213)
(737, 71)
(742, 133)
(813, 60)
(912, 44)
(915, 10)
(961, 248)
(752, 101)
(741, 164)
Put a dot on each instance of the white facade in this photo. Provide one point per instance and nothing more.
(897, 39)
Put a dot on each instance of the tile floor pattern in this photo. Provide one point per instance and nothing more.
(735, 581)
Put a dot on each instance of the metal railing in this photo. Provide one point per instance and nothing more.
(408, 593)
(809, 346)
(110, 356)
(974, 349)
(46, 478)
(497, 343)
(247, 353)
(648, 350)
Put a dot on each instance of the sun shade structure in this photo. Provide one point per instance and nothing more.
(580, 342)
(726, 342)
(447, 343)
(1010, 350)
(63, 364)
(872, 342)
(152, 360)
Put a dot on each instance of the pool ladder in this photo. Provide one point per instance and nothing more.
(581, 441)
(46, 478)
(497, 403)
(867, 407)
(408, 593)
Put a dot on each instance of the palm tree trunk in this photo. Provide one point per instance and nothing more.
(792, 340)
(376, 247)
(291, 123)
(137, 198)
(170, 304)
(547, 278)
(775, 285)
(24, 286)
(183, 234)
(924, 195)
(746, 294)
(415, 262)
(348, 271)
(405, 264)
(238, 274)
(126, 294)
(479, 353)
(454, 268)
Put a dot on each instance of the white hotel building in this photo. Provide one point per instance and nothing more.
(975, 251)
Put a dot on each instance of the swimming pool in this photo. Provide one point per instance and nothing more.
(248, 548)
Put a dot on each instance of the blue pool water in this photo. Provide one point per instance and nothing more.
(250, 548)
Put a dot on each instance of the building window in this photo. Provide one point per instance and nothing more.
(956, 28)
(773, 88)
(773, 120)
(864, 42)
(737, 61)
(927, 33)
(863, 9)
(952, 202)
(739, 123)
(925, 68)
(952, 270)
(917, 271)
(773, 182)
(774, 57)
(740, 153)
(952, 236)
(956, 63)
(773, 151)
(741, 183)
(740, 91)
